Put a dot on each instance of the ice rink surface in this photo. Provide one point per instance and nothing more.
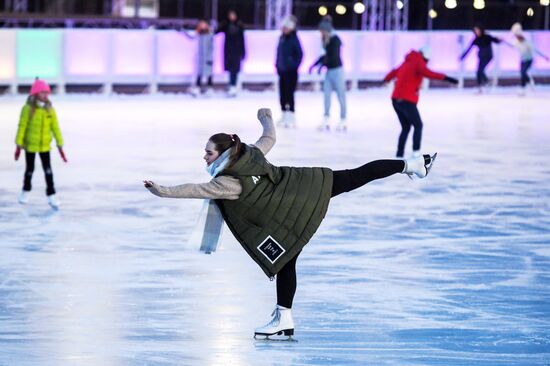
(450, 270)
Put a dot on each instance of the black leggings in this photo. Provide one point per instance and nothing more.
(287, 87)
(343, 181)
(46, 166)
(483, 62)
(208, 82)
(233, 74)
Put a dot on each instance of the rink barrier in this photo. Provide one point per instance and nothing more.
(151, 57)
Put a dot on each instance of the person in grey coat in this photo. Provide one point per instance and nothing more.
(205, 56)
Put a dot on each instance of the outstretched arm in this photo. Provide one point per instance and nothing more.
(465, 53)
(318, 62)
(391, 75)
(268, 138)
(431, 74)
(223, 187)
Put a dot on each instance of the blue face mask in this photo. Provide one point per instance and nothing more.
(219, 164)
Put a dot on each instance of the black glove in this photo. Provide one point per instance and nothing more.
(451, 80)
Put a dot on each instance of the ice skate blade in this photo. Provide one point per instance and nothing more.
(431, 164)
(266, 336)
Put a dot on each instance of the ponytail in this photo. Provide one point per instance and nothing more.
(235, 150)
(224, 141)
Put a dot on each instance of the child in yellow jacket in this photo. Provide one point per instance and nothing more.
(37, 124)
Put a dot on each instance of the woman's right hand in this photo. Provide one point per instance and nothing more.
(263, 113)
(17, 152)
(148, 184)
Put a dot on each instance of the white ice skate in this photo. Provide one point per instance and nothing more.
(232, 92)
(342, 126)
(290, 120)
(194, 91)
(208, 92)
(325, 126)
(23, 197)
(53, 202)
(419, 165)
(283, 121)
(280, 324)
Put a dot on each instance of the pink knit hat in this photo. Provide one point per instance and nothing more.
(40, 86)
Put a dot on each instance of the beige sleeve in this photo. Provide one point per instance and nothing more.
(223, 187)
(268, 138)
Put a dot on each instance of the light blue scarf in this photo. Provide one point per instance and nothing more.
(210, 226)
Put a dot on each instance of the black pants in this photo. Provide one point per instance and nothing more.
(199, 81)
(482, 78)
(408, 116)
(46, 166)
(287, 88)
(233, 74)
(343, 181)
(525, 66)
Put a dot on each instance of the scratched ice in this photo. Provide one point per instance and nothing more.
(451, 270)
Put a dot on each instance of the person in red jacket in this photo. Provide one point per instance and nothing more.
(409, 76)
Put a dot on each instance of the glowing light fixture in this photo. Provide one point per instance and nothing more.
(359, 8)
(530, 12)
(432, 13)
(340, 9)
(450, 4)
(323, 10)
(479, 4)
(399, 4)
(544, 2)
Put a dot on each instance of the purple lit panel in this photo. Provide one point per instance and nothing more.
(541, 41)
(311, 47)
(446, 49)
(219, 41)
(261, 47)
(508, 57)
(375, 52)
(86, 52)
(348, 50)
(404, 42)
(133, 53)
(176, 54)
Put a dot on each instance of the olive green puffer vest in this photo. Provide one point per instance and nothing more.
(279, 209)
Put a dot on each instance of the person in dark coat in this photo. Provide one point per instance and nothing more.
(289, 57)
(233, 49)
(484, 42)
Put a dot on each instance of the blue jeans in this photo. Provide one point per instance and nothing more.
(525, 66)
(334, 80)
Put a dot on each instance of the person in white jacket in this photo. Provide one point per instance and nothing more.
(526, 52)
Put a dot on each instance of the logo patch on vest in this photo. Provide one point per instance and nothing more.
(255, 179)
(271, 249)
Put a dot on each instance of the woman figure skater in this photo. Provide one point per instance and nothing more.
(274, 211)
